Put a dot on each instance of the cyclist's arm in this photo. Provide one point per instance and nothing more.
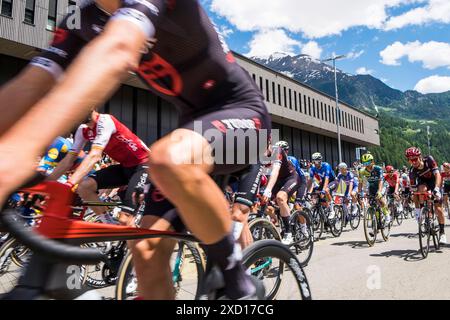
(27, 88)
(94, 156)
(350, 187)
(63, 166)
(325, 184)
(438, 177)
(93, 76)
(380, 185)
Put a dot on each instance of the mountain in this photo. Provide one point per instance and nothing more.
(362, 91)
(404, 116)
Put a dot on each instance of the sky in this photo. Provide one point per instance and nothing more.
(404, 43)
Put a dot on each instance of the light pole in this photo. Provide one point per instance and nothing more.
(429, 141)
(338, 113)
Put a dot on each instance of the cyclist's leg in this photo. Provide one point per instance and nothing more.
(245, 198)
(138, 180)
(181, 164)
(418, 200)
(113, 176)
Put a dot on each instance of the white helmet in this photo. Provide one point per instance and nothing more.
(342, 165)
(283, 145)
(317, 156)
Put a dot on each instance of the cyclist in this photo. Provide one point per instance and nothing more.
(393, 180)
(107, 134)
(283, 182)
(174, 49)
(425, 176)
(446, 180)
(347, 185)
(321, 175)
(301, 190)
(374, 176)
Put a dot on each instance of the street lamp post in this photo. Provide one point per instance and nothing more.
(338, 112)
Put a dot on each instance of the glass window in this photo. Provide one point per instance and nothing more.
(52, 11)
(314, 107)
(290, 99)
(267, 90)
(295, 101)
(285, 97)
(6, 8)
(279, 95)
(309, 106)
(273, 93)
(29, 11)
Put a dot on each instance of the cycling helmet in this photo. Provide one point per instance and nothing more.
(389, 169)
(413, 152)
(317, 156)
(342, 165)
(283, 145)
(446, 165)
(367, 158)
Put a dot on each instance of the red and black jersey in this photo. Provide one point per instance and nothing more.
(186, 62)
(426, 174)
(287, 169)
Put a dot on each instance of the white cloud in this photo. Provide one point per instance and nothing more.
(433, 84)
(312, 49)
(364, 70)
(355, 55)
(432, 54)
(434, 11)
(225, 31)
(314, 19)
(266, 42)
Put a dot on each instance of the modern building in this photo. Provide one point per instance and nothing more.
(305, 117)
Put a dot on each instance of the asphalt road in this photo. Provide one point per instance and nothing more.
(347, 268)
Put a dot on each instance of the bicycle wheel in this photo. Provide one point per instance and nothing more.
(98, 276)
(436, 233)
(370, 226)
(303, 243)
(424, 233)
(398, 216)
(337, 223)
(317, 222)
(189, 274)
(355, 219)
(10, 271)
(263, 229)
(279, 269)
(386, 227)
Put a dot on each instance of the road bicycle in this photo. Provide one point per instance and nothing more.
(428, 224)
(396, 214)
(320, 217)
(341, 207)
(57, 253)
(375, 221)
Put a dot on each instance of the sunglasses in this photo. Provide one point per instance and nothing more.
(413, 160)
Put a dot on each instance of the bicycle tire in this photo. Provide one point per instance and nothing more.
(386, 230)
(370, 224)
(299, 247)
(355, 220)
(126, 269)
(424, 234)
(338, 220)
(10, 272)
(317, 222)
(271, 248)
(257, 226)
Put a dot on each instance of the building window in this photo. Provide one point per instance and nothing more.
(261, 84)
(279, 95)
(309, 106)
(52, 10)
(267, 90)
(254, 77)
(314, 107)
(300, 102)
(321, 110)
(6, 8)
(333, 114)
(285, 97)
(273, 93)
(295, 100)
(29, 11)
(290, 99)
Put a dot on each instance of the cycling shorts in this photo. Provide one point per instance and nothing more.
(288, 185)
(118, 176)
(248, 185)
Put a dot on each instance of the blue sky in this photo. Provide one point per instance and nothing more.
(405, 43)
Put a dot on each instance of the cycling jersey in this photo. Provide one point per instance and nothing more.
(287, 168)
(319, 175)
(405, 182)
(343, 183)
(116, 140)
(426, 175)
(186, 63)
(445, 177)
(296, 164)
(372, 178)
(391, 180)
